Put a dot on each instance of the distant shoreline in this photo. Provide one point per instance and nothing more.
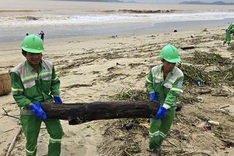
(132, 1)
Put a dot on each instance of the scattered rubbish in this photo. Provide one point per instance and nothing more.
(203, 90)
(188, 47)
(198, 83)
(178, 107)
(145, 124)
(225, 106)
(129, 126)
(200, 99)
(213, 122)
(207, 127)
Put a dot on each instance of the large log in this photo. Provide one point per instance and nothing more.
(77, 113)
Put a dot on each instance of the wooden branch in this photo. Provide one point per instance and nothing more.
(77, 113)
(12, 145)
(188, 47)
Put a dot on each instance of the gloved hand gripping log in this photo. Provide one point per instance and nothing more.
(39, 112)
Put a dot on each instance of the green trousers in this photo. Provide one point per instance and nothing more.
(159, 128)
(31, 128)
(227, 37)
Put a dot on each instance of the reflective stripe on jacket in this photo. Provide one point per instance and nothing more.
(167, 90)
(29, 86)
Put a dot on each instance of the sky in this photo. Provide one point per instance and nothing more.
(177, 1)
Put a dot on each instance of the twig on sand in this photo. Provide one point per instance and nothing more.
(6, 114)
(12, 145)
(224, 106)
(172, 143)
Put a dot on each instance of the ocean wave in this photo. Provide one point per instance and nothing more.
(139, 11)
(110, 18)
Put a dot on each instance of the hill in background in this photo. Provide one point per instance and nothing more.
(199, 2)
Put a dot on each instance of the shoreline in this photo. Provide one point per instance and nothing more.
(67, 31)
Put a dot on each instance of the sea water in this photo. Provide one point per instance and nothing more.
(108, 19)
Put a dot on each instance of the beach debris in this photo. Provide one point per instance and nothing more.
(203, 90)
(221, 92)
(199, 99)
(213, 122)
(31, 18)
(85, 112)
(198, 83)
(200, 69)
(145, 11)
(188, 47)
(12, 145)
(178, 107)
(207, 127)
(224, 106)
(129, 125)
(193, 73)
(114, 36)
(117, 63)
(205, 29)
(6, 114)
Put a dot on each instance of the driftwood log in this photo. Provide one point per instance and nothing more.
(188, 47)
(77, 113)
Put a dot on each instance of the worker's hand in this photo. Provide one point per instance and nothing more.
(161, 112)
(153, 97)
(57, 99)
(38, 111)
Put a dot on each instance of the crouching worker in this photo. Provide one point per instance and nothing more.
(228, 37)
(164, 84)
(35, 81)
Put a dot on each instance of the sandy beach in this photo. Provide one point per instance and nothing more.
(95, 68)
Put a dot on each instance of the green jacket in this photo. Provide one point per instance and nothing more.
(229, 31)
(29, 86)
(231, 28)
(167, 90)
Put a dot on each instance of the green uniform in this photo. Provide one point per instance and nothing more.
(29, 87)
(229, 31)
(167, 91)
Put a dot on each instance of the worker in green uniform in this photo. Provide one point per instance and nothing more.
(164, 84)
(35, 81)
(229, 31)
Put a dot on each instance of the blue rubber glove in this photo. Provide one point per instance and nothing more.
(57, 99)
(161, 112)
(153, 97)
(38, 111)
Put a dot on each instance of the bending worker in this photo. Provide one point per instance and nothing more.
(35, 81)
(229, 31)
(164, 84)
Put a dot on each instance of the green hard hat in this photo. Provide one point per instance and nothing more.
(170, 54)
(32, 44)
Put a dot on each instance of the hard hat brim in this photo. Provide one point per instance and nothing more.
(173, 60)
(29, 50)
